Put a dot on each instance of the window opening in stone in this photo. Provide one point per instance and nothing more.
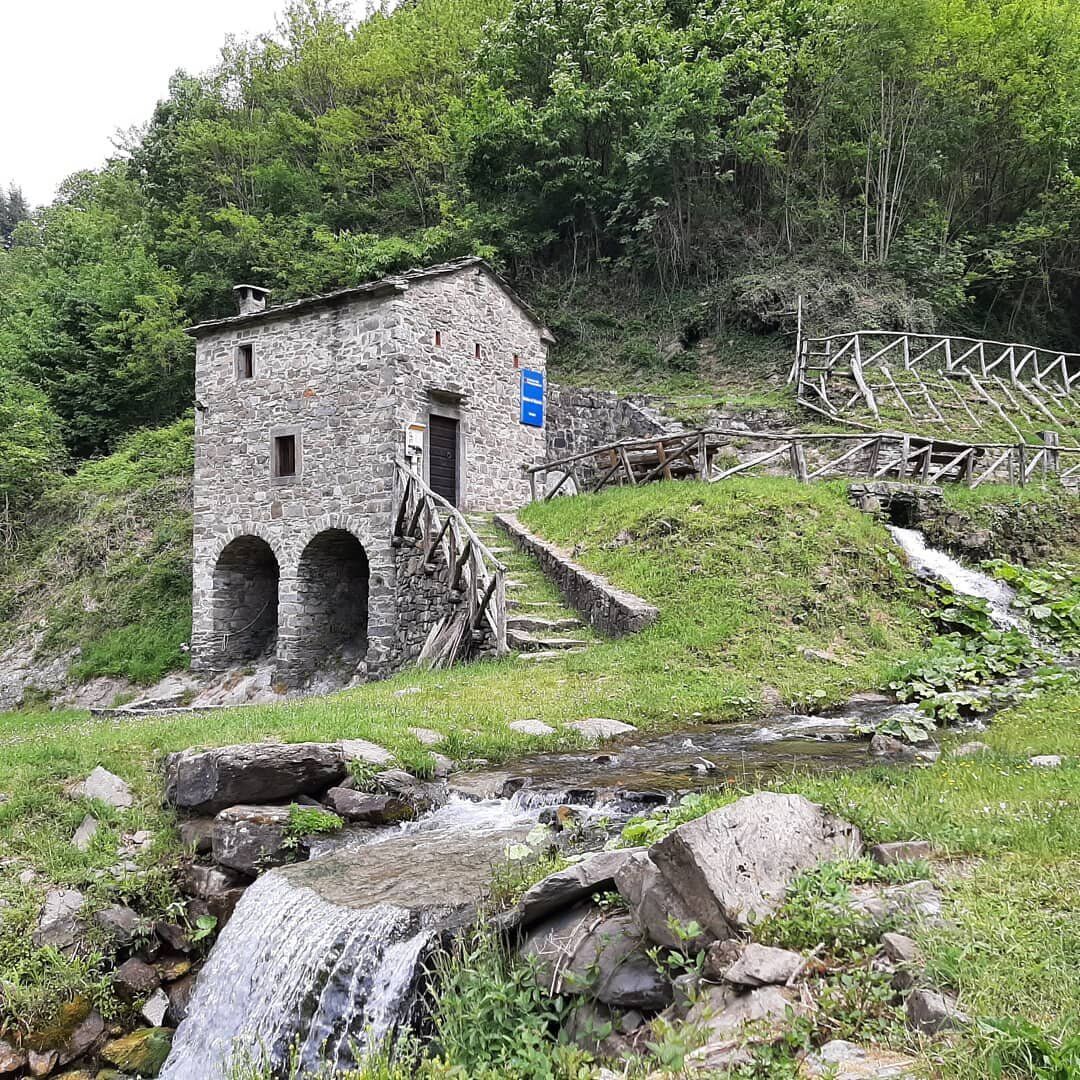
(245, 361)
(245, 601)
(285, 455)
(332, 596)
(438, 339)
(476, 350)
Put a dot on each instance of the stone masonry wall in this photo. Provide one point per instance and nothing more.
(608, 609)
(482, 392)
(580, 419)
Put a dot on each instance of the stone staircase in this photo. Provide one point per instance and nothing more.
(539, 624)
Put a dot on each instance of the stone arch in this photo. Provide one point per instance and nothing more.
(245, 599)
(331, 594)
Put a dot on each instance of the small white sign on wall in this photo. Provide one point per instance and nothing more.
(414, 440)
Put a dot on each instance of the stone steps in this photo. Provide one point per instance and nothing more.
(534, 624)
(526, 642)
(545, 655)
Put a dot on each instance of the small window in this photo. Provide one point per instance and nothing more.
(245, 361)
(284, 455)
(476, 350)
(438, 339)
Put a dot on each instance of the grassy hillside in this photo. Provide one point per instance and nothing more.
(104, 565)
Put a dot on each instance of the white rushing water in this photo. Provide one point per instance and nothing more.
(964, 580)
(292, 970)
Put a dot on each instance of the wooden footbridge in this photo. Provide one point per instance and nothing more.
(718, 454)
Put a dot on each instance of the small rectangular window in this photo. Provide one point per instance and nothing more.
(438, 339)
(245, 361)
(476, 350)
(284, 455)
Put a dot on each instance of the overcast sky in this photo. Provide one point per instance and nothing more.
(74, 72)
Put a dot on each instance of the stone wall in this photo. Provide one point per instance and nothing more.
(580, 419)
(608, 609)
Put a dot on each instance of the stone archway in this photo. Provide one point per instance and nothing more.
(332, 578)
(245, 600)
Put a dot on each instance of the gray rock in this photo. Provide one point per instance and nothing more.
(761, 965)
(368, 752)
(179, 993)
(581, 951)
(733, 866)
(252, 838)
(357, 806)
(900, 949)
(900, 851)
(119, 923)
(971, 749)
(106, 787)
(60, 925)
(11, 1058)
(198, 834)
(444, 766)
(156, 1008)
(135, 979)
(42, 1062)
(839, 1060)
(1046, 761)
(931, 1012)
(890, 749)
(575, 883)
(220, 889)
(599, 727)
(479, 786)
(914, 901)
(85, 833)
(719, 957)
(654, 903)
(424, 795)
(427, 736)
(203, 782)
(531, 727)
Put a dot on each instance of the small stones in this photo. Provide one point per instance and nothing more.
(531, 727)
(931, 1012)
(106, 787)
(841, 1060)
(85, 833)
(1045, 761)
(971, 749)
(900, 949)
(599, 727)
(156, 1008)
(135, 978)
(900, 852)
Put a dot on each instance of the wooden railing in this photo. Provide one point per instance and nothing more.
(834, 374)
(475, 578)
(706, 455)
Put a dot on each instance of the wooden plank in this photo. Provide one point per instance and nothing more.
(992, 468)
(843, 457)
(798, 462)
(761, 459)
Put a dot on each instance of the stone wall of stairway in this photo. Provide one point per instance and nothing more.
(580, 419)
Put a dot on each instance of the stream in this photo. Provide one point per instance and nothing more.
(324, 959)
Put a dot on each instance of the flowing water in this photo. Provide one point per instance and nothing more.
(324, 958)
(963, 579)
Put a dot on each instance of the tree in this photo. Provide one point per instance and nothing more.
(13, 209)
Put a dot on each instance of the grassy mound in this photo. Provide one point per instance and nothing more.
(105, 565)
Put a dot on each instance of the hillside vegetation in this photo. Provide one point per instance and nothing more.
(649, 172)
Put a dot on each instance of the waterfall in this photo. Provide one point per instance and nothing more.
(964, 580)
(294, 974)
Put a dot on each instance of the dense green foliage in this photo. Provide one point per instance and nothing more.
(739, 150)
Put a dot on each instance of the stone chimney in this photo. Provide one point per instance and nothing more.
(250, 298)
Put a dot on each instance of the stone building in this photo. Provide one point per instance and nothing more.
(302, 409)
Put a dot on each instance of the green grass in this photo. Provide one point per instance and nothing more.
(105, 565)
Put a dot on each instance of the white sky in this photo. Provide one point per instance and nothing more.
(74, 72)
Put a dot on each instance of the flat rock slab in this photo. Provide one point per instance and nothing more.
(733, 867)
(567, 887)
(85, 833)
(60, 925)
(1046, 761)
(207, 781)
(427, 736)
(599, 727)
(912, 902)
(931, 1012)
(250, 839)
(734, 1022)
(531, 727)
(839, 1060)
(762, 965)
(368, 752)
(359, 807)
(901, 851)
(106, 787)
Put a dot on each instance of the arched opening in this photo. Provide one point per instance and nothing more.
(332, 593)
(246, 600)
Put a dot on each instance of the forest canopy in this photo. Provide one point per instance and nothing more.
(667, 142)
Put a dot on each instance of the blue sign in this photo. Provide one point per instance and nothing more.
(532, 397)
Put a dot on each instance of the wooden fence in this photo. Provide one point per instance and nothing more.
(476, 580)
(713, 456)
(835, 374)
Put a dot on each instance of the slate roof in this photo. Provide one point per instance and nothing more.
(389, 284)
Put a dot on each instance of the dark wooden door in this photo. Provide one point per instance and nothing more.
(443, 457)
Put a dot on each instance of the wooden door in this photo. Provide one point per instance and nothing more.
(443, 457)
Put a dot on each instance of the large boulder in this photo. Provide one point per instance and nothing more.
(365, 809)
(204, 782)
(733, 867)
(575, 883)
(424, 795)
(603, 957)
(655, 905)
(250, 839)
